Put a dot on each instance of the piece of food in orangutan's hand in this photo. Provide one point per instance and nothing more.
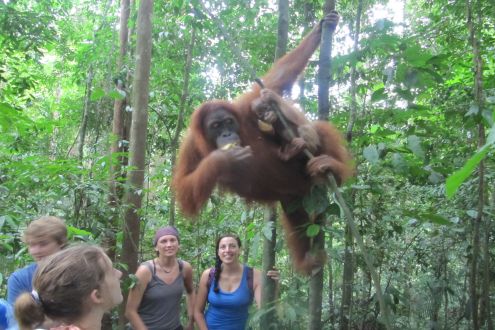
(229, 146)
(265, 127)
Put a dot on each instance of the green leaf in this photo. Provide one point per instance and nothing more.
(435, 218)
(491, 136)
(416, 56)
(312, 230)
(474, 109)
(371, 154)
(414, 144)
(117, 95)
(97, 94)
(316, 202)
(378, 95)
(457, 178)
(428, 217)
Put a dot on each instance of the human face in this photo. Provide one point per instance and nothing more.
(40, 248)
(111, 284)
(228, 250)
(167, 246)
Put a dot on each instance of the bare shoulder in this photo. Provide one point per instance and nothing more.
(205, 275)
(186, 265)
(143, 273)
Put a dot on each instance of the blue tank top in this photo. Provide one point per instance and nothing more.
(229, 310)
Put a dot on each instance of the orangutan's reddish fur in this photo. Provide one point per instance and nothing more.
(265, 177)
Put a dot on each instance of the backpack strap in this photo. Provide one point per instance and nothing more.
(151, 266)
(211, 278)
(181, 265)
(250, 280)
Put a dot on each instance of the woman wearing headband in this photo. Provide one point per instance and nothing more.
(74, 287)
(154, 302)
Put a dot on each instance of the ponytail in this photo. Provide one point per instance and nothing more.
(28, 311)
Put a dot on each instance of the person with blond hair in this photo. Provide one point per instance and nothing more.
(43, 237)
(73, 287)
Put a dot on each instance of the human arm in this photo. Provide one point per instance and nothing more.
(135, 297)
(190, 294)
(200, 303)
(14, 289)
(257, 287)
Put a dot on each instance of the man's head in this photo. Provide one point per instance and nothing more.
(45, 236)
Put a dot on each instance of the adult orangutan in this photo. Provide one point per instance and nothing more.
(225, 146)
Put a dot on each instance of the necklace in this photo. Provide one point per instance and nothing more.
(163, 268)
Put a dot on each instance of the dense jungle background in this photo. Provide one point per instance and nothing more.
(85, 135)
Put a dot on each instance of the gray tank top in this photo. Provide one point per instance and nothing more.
(160, 306)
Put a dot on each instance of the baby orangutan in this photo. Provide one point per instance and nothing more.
(296, 136)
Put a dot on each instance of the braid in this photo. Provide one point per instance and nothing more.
(218, 270)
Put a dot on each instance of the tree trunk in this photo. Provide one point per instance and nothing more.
(116, 163)
(138, 136)
(119, 104)
(268, 293)
(79, 192)
(347, 282)
(478, 100)
(486, 270)
(353, 109)
(316, 281)
(331, 293)
(325, 65)
(174, 144)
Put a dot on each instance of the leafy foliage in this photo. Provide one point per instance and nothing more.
(414, 141)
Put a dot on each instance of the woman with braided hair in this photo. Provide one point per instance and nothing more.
(229, 288)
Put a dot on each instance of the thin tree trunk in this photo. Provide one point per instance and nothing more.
(486, 269)
(139, 127)
(119, 104)
(355, 48)
(325, 65)
(79, 193)
(347, 281)
(478, 99)
(174, 145)
(268, 293)
(331, 294)
(316, 281)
